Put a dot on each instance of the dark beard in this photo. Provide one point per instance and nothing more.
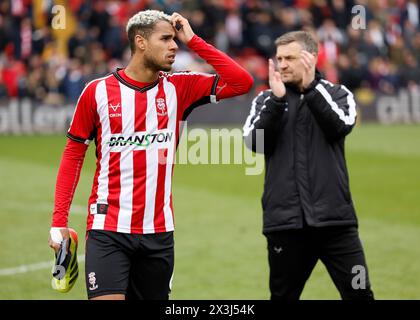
(151, 64)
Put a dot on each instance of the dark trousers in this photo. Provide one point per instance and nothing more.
(292, 255)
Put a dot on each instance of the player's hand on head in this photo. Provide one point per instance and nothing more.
(274, 80)
(183, 30)
(57, 235)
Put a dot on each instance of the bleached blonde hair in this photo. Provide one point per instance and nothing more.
(143, 23)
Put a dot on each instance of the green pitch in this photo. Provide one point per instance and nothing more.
(220, 252)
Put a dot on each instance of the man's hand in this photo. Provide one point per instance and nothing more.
(57, 235)
(308, 60)
(185, 32)
(274, 80)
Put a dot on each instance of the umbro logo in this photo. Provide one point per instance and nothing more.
(113, 110)
(278, 249)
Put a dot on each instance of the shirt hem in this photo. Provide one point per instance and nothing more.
(133, 230)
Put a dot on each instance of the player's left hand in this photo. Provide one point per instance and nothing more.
(185, 32)
(309, 61)
(57, 235)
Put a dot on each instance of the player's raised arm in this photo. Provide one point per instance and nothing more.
(234, 80)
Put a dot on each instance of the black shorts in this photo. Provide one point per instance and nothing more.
(138, 266)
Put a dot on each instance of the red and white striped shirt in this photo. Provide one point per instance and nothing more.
(136, 130)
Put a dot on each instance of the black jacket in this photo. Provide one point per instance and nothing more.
(306, 179)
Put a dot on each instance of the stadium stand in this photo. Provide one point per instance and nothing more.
(51, 66)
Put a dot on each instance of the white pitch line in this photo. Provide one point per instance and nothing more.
(33, 267)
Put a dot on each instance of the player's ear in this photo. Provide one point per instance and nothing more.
(140, 42)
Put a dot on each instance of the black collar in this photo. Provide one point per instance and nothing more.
(132, 86)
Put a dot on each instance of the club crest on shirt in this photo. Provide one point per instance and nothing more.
(113, 110)
(161, 108)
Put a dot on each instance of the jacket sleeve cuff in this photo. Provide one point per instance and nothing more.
(275, 104)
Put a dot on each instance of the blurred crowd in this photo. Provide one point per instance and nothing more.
(376, 48)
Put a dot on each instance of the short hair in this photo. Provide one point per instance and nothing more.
(143, 23)
(304, 38)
